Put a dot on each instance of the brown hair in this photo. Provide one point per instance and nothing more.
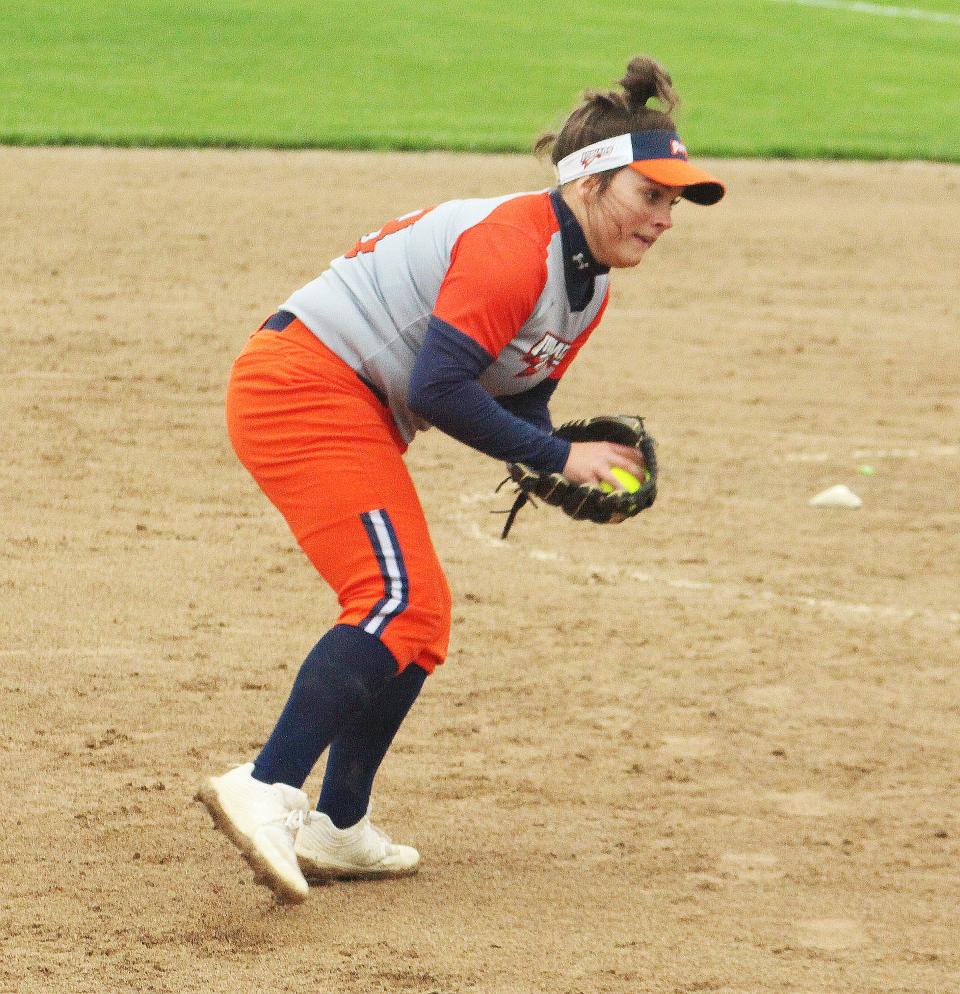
(608, 113)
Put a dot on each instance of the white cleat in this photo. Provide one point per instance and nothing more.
(262, 821)
(360, 852)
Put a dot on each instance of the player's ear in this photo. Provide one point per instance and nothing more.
(589, 185)
(589, 188)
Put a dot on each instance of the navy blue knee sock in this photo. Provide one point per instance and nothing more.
(340, 678)
(356, 753)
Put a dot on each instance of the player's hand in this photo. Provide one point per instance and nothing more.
(591, 462)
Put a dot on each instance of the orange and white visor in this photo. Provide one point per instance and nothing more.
(658, 155)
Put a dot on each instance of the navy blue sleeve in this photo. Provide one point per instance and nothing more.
(444, 390)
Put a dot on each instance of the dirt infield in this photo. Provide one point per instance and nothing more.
(712, 749)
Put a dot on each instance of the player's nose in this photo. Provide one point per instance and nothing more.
(663, 218)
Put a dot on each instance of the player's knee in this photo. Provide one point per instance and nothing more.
(424, 626)
(431, 609)
(346, 668)
(412, 620)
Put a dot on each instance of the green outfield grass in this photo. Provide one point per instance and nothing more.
(758, 77)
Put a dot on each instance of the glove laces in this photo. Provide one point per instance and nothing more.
(523, 498)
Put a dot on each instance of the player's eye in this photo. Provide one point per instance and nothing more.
(655, 197)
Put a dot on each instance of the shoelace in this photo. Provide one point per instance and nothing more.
(296, 819)
(374, 841)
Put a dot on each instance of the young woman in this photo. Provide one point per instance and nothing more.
(463, 317)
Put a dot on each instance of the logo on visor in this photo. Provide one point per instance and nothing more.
(677, 149)
(592, 155)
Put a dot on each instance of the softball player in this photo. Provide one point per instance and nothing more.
(463, 317)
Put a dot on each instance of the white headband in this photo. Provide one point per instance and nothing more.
(611, 153)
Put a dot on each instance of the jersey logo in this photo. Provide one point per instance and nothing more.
(547, 353)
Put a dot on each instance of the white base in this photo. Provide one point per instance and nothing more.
(838, 496)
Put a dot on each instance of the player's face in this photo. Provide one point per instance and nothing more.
(624, 220)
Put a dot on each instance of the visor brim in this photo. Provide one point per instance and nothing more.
(698, 186)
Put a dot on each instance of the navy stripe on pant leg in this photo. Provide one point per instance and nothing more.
(393, 570)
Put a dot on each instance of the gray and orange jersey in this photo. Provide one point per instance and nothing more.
(510, 280)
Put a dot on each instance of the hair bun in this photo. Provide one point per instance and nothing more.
(645, 79)
(604, 114)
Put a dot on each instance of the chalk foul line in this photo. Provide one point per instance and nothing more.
(880, 9)
(896, 613)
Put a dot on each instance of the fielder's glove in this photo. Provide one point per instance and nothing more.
(590, 501)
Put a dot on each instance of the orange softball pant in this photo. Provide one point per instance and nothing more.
(326, 452)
